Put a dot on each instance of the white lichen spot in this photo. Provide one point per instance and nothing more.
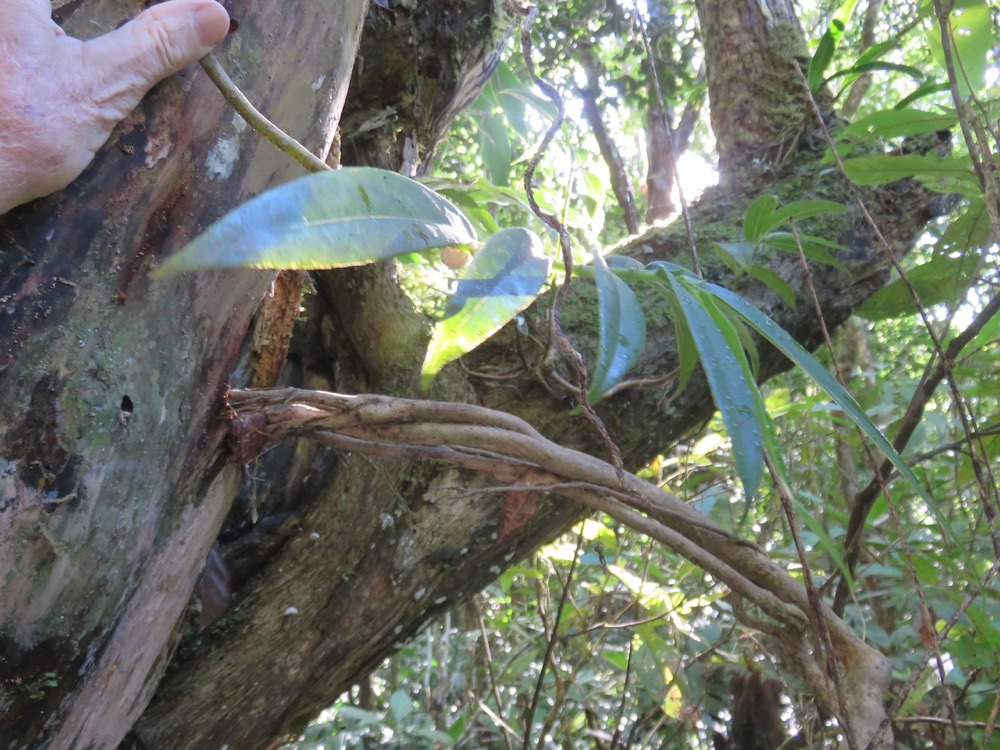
(318, 83)
(397, 630)
(441, 600)
(156, 150)
(291, 611)
(386, 520)
(419, 594)
(222, 158)
(495, 570)
(314, 535)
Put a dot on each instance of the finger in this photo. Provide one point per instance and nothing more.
(124, 64)
(26, 27)
(18, 11)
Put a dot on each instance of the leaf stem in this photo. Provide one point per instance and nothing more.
(264, 127)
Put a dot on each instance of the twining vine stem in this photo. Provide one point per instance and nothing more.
(572, 357)
(508, 449)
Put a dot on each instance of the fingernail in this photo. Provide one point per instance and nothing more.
(212, 22)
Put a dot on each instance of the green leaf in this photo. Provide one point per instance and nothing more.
(811, 247)
(727, 372)
(971, 40)
(942, 279)
(861, 68)
(623, 262)
(798, 210)
(823, 57)
(897, 123)
(737, 255)
(400, 705)
(824, 51)
(817, 527)
(970, 230)
(794, 351)
(347, 217)
(941, 173)
(505, 277)
(687, 351)
(921, 92)
(622, 330)
(777, 284)
(758, 217)
(495, 148)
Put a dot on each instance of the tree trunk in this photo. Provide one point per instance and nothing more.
(116, 480)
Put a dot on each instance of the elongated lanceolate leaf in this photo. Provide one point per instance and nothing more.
(794, 351)
(756, 221)
(728, 376)
(942, 279)
(897, 123)
(505, 277)
(348, 217)
(941, 173)
(622, 330)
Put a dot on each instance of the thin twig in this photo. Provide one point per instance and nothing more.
(261, 125)
(493, 678)
(550, 647)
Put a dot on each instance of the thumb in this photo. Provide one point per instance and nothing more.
(126, 63)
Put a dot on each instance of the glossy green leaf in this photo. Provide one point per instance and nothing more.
(856, 71)
(921, 92)
(346, 217)
(728, 376)
(970, 230)
(812, 247)
(687, 351)
(799, 210)
(941, 173)
(822, 58)
(505, 277)
(777, 284)
(942, 279)
(737, 255)
(972, 41)
(758, 217)
(622, 329)
(495, 149)
(897, 123)
(794, 351)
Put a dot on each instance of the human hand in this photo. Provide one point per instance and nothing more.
(60, 97)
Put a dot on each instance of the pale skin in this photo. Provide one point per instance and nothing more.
(60, 97)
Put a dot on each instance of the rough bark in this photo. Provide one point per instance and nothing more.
(350, 555)
(113, 484)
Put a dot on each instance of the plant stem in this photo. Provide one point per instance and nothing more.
(264, 127)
